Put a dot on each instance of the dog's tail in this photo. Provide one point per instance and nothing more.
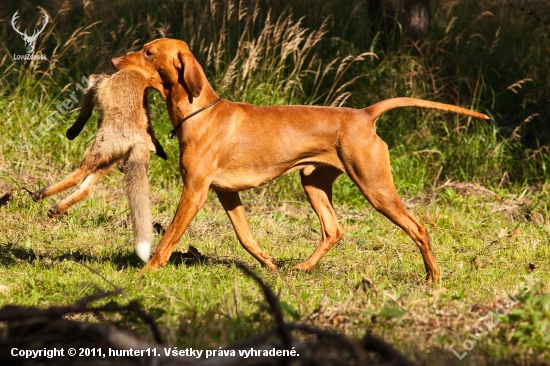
(136, 187)
(378, 109)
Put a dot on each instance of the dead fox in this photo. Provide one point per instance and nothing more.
(124, 135)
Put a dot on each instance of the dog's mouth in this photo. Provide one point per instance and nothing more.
(117, 63)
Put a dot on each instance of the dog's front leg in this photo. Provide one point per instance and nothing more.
(232, 205)
(193, 198)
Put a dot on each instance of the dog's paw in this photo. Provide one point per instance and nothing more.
(303, 267)
(53, 212)
(432, 279)
(269, 262)
(152, 266)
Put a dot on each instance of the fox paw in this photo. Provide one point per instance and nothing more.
(37, 196)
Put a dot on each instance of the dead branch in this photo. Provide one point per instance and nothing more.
(32, 328)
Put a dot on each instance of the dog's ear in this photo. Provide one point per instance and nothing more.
(187, 65)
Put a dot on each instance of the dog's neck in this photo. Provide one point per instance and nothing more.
(185, 104)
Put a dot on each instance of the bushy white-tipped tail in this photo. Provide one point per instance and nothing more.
(143, 250)
(136, 186)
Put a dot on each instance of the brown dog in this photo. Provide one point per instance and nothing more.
(124, 135)
(231, 147)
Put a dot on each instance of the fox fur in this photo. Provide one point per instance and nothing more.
(124, 135)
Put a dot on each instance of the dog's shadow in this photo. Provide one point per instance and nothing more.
(122, 260)
(12, 254)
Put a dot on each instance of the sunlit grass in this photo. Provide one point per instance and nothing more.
(485, 236)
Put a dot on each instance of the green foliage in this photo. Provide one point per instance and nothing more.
(391, 313)
(479, 54)
(528, 325)
(289, 310)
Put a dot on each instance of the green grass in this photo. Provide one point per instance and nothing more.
(485, 234)
(480, 263)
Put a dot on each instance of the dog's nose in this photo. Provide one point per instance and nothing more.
(117, 62)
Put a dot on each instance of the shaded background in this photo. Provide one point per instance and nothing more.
(489, 55)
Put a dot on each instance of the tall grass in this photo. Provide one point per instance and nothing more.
(279, 64)
(480, 54)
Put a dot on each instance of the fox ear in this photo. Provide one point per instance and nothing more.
(190, 72)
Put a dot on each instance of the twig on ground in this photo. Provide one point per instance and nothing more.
(35, 328)
(273, 305)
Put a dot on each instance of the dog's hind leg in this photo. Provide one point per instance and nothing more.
(232, 205)
(369, 168)
(82, 191)
(318, 187)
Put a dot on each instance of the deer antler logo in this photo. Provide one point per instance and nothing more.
(30, 41)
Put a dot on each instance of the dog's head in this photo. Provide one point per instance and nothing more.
(165, 63)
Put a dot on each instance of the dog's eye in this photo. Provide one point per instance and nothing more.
(148, 53)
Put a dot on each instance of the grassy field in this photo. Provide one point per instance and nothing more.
(481, 189)
(484, 246)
